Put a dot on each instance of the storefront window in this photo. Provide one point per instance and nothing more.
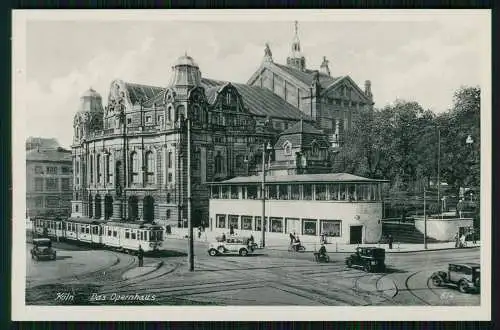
(320, 192)
(343, 192)
(246, 222)
(252, 192)
(258, 224)
(277, 225)
(307, 191)
(331, 228)
(215, 192)
(293, 225)
(283, 191)
(272, 191)
(233, 221)
(351, 192)
(221, 221)
(295, 191)
(334, 192)
(234, 192)
(360, 192)
(225, 192)
(309, 227)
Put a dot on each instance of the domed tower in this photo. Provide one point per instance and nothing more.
(185, 75)
(296, 59)
(89, 115)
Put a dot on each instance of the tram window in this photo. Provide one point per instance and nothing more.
(127, 235)
(59, 226)
(82, 229)
(133, 236)
(114, 233)
(109, 232)
(87, 229)
(95, 230)
(159, 235)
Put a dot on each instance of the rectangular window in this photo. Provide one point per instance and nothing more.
(215, 192)
(233, 221)
(221, 220)
(307, 191)
(252, 192)
(234, 192)
(293, 225)
(342, 192)
(52, 202)
(272, 191)
(170, 159)
(95, 230)
(331, 227)
(39, 202)
(295, 192)
(225, 192)
(51, 184)
(38, 184)
(38, 170)
(133, 235)
(82, 229)
(258, 224)
(114, 233)
(127, 235)
(65, 170)
(320, 192)
(65, 184)
(109, 232)
(309, 227)
(246, 222)
(87, 230)
(334, 192)
(51, 170)
(283, 191)
(276, 225)
(169, 177)
(148, 120)
(351, 192)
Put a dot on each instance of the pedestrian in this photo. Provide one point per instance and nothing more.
(168, 229)
(473, 233)
(456, 240)
(231, 230)
(462, 241)
(199, 232)
(223, 239)
(390, 240)
(140, 256)
(292, 238)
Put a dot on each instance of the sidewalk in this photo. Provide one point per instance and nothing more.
(148, 267)
(312, 243)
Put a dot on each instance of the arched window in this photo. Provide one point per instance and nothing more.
(148, 208)
(134, 167)
(99, 171)
(97, 214)
(90, 209)
(168, 198)
(218, 164)
(314, 149)
(150, 167)
(170, 159)
(169, 113)
(133, 208)
(108, 207)
(287, 147)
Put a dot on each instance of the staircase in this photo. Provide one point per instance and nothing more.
(405, 233)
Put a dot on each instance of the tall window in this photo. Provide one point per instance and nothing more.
(218, 164)
(109, 172)
(38, 170)
(51, 184)
(91, 168)
(170, 160)
(51, 170)
(134, 168)
(99, 171)
(65, 184)
(38, 184)
(150, 167)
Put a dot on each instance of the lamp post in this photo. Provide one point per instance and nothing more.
(425, 222)
(190, 221)
(263, 188)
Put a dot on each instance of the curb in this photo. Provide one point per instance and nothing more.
(154, 268)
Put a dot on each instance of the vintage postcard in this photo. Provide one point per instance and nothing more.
(251, 165)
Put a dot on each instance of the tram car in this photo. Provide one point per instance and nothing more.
(124, 236)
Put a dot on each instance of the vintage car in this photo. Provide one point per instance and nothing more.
(232, 245)
(369, 258)
(466, 276)
(42, 248)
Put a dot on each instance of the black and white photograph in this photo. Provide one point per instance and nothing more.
(256, 164)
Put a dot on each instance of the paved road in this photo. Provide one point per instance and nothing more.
(283, 278)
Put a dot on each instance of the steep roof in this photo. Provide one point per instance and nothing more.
(49, 155)
(325, 177)
(260, 101)
(307, 76)
(142, 92)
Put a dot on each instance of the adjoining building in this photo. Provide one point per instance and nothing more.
(48, 180)
(345, 207)
(130, 156)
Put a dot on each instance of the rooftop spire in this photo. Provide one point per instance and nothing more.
(296, 59)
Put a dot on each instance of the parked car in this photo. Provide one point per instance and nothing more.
(42, 249)
(369, 258)
(232, 245)
(466, 276)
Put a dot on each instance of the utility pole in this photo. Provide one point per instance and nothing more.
(263, 192)
(190, 222)
(425, 224)
(439, 170)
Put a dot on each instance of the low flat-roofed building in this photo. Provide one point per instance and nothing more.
(345, 207)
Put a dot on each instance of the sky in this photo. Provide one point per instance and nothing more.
(424, 59)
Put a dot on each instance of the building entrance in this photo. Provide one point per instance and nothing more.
(356, 233)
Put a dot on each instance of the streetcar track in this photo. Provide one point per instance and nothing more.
(410, 291)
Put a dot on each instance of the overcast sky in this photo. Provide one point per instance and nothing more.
(423, 60)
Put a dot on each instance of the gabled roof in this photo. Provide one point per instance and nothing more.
(307, 76)
(324, 178)
(138, 92)
(49, 155)
(259, 101)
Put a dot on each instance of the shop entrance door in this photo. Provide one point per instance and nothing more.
(356, 233)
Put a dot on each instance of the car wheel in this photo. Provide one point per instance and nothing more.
(462, 286)
(436, 281)
(349, 263)
(243, 252)
(212, 252)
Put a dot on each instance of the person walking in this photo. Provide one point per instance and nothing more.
(199, 232)
(231, 230)
(456, 240)
(292, 238)
(462, 241)
(390, 240)
(140, 256)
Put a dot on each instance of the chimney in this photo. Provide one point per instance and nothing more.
(368, 89)
(324, 66)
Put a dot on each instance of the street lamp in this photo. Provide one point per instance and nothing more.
(425, 222)
(263, 220)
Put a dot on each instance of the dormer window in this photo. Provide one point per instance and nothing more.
(287, 147)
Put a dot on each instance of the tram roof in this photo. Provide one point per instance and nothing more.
(85, 220)
(295, 178)
(134, 225)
